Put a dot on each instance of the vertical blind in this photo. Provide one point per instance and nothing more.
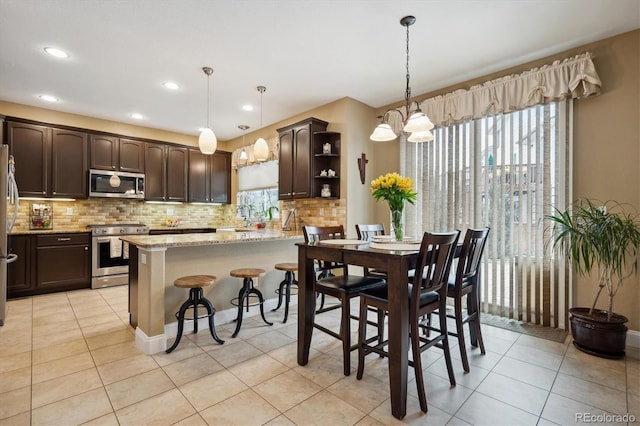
(506, 171)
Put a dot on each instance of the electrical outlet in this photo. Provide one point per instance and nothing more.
(334, 212)
(321, 212)
(143, 258)
(69, 211)
(169, 212)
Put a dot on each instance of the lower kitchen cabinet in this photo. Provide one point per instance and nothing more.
(49, 263)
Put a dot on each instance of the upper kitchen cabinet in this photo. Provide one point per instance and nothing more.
(295, 168)
(165, 172)
(50, 162)
(114, 153)
(177, 168)
(326, 165)
(209, 177)
(221, 177)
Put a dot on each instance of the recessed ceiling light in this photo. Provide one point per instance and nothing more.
(137, 116)
(170, 85)
(49, 98)
(58, 53)
(247, 107)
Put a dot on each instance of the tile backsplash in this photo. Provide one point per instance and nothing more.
(75, 215)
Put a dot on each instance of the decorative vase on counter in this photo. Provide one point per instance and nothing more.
(397, 223)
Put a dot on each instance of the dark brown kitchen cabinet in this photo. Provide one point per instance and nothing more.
(48, 263)
(177, 177)
(69, 166)
(50, 162)
(295, 167)
(62, 262)
(209, 177)
(221, 177)
(21, 273)
(165, 172)
(131, 156)
(30, 145)
(114, 153)
(155, 176)
(104, 152)
(326, 165)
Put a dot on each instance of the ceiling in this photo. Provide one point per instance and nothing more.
(306, 52)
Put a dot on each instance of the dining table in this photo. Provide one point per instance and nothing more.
(397, 263)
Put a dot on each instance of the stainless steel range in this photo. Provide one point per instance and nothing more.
(110, 255)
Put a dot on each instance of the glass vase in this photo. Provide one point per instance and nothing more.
(397, 224)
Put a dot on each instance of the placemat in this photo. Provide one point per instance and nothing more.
(396, 246)
(340, 242)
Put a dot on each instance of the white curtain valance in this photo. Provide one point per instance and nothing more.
(274, 154)
(574, 77)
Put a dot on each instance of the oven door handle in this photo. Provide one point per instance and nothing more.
(102, 239)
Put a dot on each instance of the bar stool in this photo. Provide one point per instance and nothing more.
(195, 283)
(247, 274)
(285, 286)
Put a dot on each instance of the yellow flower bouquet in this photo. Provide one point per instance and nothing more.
(395, 190)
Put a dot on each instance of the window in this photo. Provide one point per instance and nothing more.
(506, 171)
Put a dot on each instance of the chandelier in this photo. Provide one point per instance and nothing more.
(417, 124)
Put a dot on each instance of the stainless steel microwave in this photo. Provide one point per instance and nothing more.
(104, 183)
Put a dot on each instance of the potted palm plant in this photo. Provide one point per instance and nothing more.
(603, 238)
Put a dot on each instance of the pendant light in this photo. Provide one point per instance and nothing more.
(243, 155)
(260, 148)
(207, 140)
(417, 124)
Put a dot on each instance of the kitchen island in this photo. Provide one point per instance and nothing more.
(157, 260)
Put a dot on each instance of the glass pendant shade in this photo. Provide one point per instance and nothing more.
(425, 136)
(418, 122)
(261, 150)
(207, 141)
(383, 133)
(243, 155)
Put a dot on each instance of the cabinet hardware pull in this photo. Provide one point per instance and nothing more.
(64, 239)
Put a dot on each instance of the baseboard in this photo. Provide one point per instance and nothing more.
(633, 339)
(150, 345)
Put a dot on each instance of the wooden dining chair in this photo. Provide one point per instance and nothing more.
(427, 293)
(367, 232)
(465, 283)
(344, 287)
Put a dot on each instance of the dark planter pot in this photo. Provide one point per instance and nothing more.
(593, 334)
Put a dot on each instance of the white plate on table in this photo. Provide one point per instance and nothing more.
(342, 242)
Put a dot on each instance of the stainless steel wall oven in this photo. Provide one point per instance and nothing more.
(110, 255)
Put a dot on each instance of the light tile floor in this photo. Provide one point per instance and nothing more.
(70, 358)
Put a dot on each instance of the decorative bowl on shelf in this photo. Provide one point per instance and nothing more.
(172, 221)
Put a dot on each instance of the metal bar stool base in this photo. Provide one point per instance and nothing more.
(196, 298)
(243, 300)
(284, 289)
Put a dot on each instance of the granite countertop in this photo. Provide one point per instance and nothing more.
(65, 230)
(184, 240)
